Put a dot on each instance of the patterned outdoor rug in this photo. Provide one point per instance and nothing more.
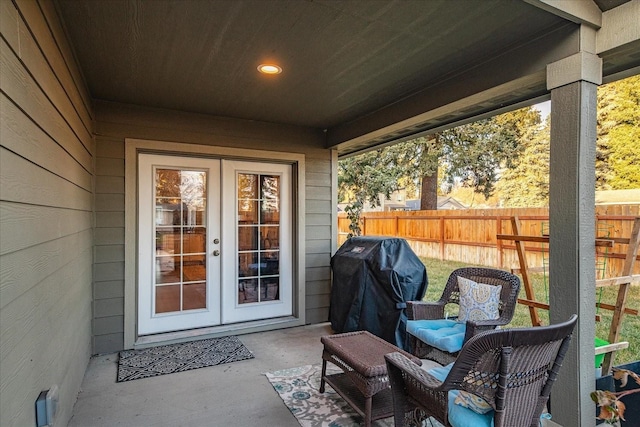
(167, 359)
(299, 388)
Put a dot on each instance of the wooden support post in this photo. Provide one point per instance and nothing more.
(627, 270)
(524, 271)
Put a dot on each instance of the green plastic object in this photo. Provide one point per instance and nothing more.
(599, 357)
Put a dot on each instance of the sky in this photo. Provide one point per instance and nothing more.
(544, 108)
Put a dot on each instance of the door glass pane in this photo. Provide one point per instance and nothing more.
(270, 289)
(270, 237)
(247, 238)
(247, 291)
(247, 211)
(248, 264)
(247, 186)
(195, 296)
(193, 241)
(269, 263)
(270, 201)
(181, 236)
(167, 298)
(258, 237)
(194, 268)
(167, 268)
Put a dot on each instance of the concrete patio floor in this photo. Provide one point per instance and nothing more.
(234, 394)
(230, 395)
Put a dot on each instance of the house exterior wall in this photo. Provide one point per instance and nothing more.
(46, 202)
(117, 122)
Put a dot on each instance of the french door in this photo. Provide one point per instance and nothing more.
(214, 240)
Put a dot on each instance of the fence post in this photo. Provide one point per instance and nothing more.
(499, 242)
(441, 238)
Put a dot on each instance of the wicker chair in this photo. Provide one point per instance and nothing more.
(421, 310)
(513, 370)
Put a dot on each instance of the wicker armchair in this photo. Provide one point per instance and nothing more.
(513, 370)
(421, 310)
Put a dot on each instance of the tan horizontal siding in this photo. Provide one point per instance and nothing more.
(318, 232)
(27, 183)
(108, 290)
(110, 219)
(46, 214)
(314, 206)
(318, 179)
(24, 138)
(108, 253)
(317, 301)
(108, 325)
(319, 246)
(23, 226)
(24, 91)
(318, 273)
(105, 343)
(317, 315)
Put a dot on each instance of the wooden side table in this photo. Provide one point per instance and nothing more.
(363, 382)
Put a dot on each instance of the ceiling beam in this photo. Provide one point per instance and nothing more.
(498, 82)
(619, 27)
(581, 12)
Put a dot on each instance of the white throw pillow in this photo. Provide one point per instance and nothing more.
(478, 301)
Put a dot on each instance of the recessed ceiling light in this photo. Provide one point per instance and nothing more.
(269, 69)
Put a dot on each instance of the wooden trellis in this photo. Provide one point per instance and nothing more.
(623, 282)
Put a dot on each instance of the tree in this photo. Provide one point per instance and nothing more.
(476, 153)
(362, 179)
(527, 183)
(417, 160)
(471, 154)
(618, 148)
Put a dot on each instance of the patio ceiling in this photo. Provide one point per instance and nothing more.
(366, 71)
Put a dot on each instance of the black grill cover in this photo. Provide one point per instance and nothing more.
(373, 277)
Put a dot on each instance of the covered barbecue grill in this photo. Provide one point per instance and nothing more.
(373, 278)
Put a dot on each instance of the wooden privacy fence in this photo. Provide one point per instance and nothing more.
(470, 236)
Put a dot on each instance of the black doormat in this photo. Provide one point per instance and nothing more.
(167, 359)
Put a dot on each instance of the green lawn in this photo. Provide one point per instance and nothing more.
(438, 272)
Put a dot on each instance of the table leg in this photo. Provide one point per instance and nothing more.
(367, 412)
(324, 372)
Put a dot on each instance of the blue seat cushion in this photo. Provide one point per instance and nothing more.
(459, 416)
(444, 334)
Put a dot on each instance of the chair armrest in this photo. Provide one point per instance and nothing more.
(475, 327)
(412, 371)
(420, 310)
(413, 388)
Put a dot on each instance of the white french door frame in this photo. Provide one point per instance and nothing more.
(233, 311)
(151, 323)
(133, 147)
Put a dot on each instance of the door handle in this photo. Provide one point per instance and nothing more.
(216, 253)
